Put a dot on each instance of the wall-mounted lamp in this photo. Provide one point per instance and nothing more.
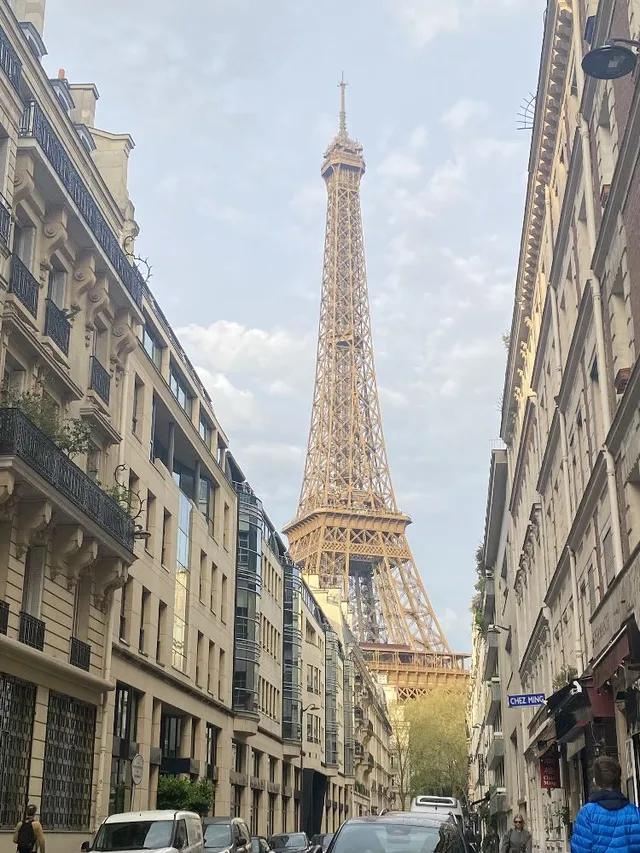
(611, 60)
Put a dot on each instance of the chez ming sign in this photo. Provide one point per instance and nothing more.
(526, 700)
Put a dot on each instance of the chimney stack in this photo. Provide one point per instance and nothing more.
(31, 11)
(84, 97)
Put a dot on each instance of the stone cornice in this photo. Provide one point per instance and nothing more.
(550, 93)
(541, 348)
(585, 314)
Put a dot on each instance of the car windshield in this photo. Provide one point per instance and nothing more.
(286, 842)
(326, 841)
(135, 835)
(217, 835)
(255, 845)
(407, 837)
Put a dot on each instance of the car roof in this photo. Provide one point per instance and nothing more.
(397, 817)
(157, 814)
(209, 820)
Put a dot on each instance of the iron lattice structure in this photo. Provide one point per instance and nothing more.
(348, 533)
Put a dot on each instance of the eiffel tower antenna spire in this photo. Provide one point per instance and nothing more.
(348, 534)
(342, 85)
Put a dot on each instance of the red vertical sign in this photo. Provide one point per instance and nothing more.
(550, 772)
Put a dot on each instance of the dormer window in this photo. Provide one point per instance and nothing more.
(33, 39)
(85, 137)
(63, 92)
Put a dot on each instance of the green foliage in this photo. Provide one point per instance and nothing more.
(72, 435)
(438, 743)
(565, 676)
(479, 587)
(506, 340)
(126, 499)
(185, 794)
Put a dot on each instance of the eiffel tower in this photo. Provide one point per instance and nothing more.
(348, 533)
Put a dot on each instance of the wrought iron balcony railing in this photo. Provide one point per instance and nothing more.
(35, 125)
(100, 380)
(9, 61)
(31, 631)
(24, 285)
(57, 327)
(4, 617)
(5, 220)
(79, 654)
(20, 437)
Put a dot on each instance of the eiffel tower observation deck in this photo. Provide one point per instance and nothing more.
(348, 534)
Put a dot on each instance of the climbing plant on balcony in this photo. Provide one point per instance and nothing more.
(478, 598)
(72, 435)
(128, 499)
(564, 676)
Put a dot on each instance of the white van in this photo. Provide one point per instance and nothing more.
(163, 831)
(438, 807)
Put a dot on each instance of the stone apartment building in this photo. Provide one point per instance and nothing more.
(148, 606)
(559, 615)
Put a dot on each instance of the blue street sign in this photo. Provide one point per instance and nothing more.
(526, 700)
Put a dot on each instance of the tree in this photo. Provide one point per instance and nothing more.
(400, 746)
(186, 795)
(438, 742)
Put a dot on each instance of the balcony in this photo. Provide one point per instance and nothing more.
(495, 753)
(491, 654)
(489, 598)
(31, 631)
(5, 220)
(4, 617)
(21, 438)
(36, 126)
(9, 61)
(57, 327)
(100, 380)
(79, 654)
(498, 804)
(24, 285)
(494, 701)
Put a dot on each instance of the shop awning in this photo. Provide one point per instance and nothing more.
(624, 647)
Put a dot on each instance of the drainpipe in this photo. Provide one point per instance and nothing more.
(564, 445)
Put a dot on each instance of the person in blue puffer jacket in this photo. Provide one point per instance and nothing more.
(608, 823)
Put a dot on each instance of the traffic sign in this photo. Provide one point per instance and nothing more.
(526, 700)
(137, 769)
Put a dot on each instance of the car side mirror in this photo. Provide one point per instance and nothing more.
(85, 847)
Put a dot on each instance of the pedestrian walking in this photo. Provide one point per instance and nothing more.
(608, 821)
(517, 839)
(28, 834)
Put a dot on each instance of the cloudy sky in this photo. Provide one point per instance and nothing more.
(231, 104)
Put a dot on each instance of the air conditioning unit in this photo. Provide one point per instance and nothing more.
(604, 194)
(622, 380)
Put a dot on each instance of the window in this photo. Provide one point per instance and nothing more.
(152, 346)
(166, 524)
(93, 462)
(223, 600)
(170, 736)
(144, 615)
(211, 736)
(23, 240)
(205, 430)
(179, 390)
(226, 532)
(162, 629)
(33, 581)
(125, 595)
(125, 714)
(57, 285)
(214, 587)
(205, 498)
(151, 521)
(138, 392)
(202, 576)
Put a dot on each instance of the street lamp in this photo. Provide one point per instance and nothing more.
(304, 711)
(611, 60)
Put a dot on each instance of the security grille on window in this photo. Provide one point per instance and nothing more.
(17, 709)
(68, 764)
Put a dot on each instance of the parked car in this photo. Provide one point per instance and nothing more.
(166, 830)
(259, 844)
(292, 842)
(399, 831)
(226, 835)
(322, 841)
(437, 807)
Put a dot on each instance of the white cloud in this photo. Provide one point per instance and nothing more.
(282, 454)
(418, 137)
(236, 408)
(226, 347)
(463, 112)
(399, 165)
(447, 182)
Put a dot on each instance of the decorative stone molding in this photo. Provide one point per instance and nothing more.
(84, 274)
(71, 554)
(54, 234)
(123, 338)
(24, 182)
(81, 563)
(36, 522)
(111, 574)
(8, 496)
(98, 301)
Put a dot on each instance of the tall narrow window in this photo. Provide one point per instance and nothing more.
(144, 616)
(57, 285)
(23, 240)
(136, 412)
(166, 527)
(162, 630)
(33, 581)
(151, 521)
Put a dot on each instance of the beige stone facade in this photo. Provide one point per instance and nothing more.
(147, 604)
(560, 615)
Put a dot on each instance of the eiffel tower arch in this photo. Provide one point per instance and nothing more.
(348, 533)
